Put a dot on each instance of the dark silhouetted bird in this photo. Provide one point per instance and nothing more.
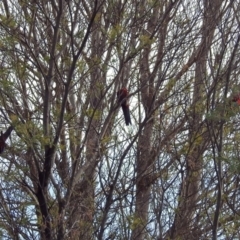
(122, 95)
(4, 137)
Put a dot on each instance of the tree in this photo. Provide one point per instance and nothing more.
(73, 170)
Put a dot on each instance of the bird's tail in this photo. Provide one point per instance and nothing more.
(7, 133)
(126, 114)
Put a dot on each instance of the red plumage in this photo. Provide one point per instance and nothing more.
(236, 99)
(122, 96)
(4, 137)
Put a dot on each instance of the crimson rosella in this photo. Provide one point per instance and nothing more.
(122, 95)
(4, 137)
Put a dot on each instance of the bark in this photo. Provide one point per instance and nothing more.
(146, 153)
(198, 137)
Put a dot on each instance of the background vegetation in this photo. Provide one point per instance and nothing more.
(73, 170)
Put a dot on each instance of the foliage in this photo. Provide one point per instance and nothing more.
(72, 169)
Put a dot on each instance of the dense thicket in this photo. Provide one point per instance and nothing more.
(72, 168)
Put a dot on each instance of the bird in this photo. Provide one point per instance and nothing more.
(236, 99)
(4, 137)
(122, 95)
